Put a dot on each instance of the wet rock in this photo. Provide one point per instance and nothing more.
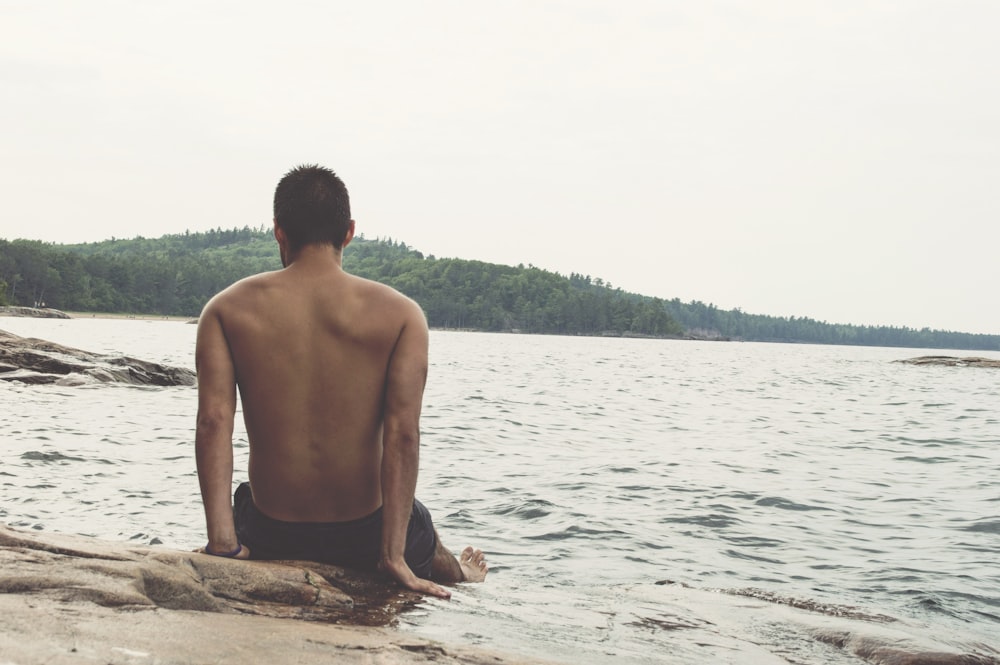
(74, 570)
(952, 361)
(886, 650)
(35, 361)
(70, 599)
(758, 626)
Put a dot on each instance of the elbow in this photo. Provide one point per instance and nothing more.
(402, 441)
(211, 424)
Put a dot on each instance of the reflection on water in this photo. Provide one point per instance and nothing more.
(590, 469)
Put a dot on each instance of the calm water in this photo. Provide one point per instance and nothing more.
(590, 469)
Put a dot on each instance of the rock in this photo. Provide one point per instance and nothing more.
(762, 627)
(893, 650)
(36, 361)
(37, 312)
(952, 361)
(70, 599)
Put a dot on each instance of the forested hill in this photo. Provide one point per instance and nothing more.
(177, 274)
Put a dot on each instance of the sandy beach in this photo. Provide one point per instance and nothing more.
(136, 317)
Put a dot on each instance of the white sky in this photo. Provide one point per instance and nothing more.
(837, 160)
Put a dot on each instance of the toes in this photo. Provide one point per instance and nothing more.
(473, 557)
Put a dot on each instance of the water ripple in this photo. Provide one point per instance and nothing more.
(589, 466)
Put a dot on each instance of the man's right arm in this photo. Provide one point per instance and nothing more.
(214, 431)
(404, 391)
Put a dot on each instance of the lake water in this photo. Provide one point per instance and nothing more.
(590, 469)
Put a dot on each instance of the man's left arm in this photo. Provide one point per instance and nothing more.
(214, 433)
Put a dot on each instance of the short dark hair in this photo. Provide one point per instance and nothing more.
(311, 205)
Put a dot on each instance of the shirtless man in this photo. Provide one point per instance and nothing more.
(331, 370)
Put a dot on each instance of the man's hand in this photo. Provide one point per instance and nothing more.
(401, 572)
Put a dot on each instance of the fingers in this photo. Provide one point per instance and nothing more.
(429, 588)
(402, 573)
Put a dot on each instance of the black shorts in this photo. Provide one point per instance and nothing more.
(354, 544)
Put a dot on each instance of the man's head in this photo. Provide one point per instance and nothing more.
(311, 206)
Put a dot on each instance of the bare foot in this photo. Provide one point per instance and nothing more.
(473, 563)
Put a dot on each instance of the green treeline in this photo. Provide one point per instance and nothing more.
(710, 321)
(456, 293)
(173, 275)
(177, 274)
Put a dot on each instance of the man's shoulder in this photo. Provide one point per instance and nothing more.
(239, 291)
(384, 295)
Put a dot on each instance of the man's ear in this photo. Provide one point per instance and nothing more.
(349, 236)
(279, 235)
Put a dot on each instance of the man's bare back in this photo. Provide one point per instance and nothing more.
(311, 347)
(331, 370)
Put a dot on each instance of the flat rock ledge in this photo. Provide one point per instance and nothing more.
(36, 361)
(952, 361)
(760, 627)
(68, 599)
(36, 312)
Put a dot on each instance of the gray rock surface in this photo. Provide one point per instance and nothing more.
(35, 361)
(36, 312)
(70, 599)
(756, 626)
(952, 361)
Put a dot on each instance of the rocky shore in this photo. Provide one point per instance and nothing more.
(37, 361)
(952, 361)
(68, 599)
(36, 312)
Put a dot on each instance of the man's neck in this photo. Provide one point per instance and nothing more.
(315, 255)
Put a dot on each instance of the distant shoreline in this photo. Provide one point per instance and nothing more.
(135, 317)
(49, 313)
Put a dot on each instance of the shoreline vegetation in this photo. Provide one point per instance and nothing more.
(936, 360)
(173, 276)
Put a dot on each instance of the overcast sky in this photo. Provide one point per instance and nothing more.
(838, 160)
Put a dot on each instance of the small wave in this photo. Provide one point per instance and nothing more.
(754, 541)
(712, 521)
(846, 611)
(924, 460)
(933, 443)
(637, 488)
(785, 504)
(661, 623)
(984, 526)
(575, 532)
(39, 456)
(529, 510)
(747, 496)
(750, 557)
